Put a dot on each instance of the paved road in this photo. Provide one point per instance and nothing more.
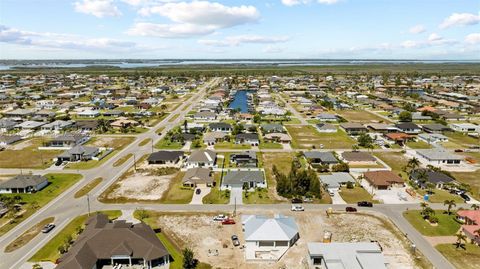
(294, 111)
(65, 207)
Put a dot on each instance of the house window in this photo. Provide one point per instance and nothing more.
(266, 243)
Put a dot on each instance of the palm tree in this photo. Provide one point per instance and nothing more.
(449, 204)
(460, 237)
(413, 163)
(475, 206)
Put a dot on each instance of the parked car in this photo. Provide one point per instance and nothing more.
(350, 209)
(307, 200)
(465, 197)
(365, 204)
(331, 193)
(298, 208)
(296, 201)
(235, 241)
(459, 150)
(47, 228)
(220, 217)
(228, 221)
(58, 162)
(198, 191)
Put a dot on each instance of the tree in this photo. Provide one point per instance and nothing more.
(460, 238)
(185, 123)
(143, 214)
(449, 204)
(364, 140)
(413, 163)
(475, 206)
(189, 261)
(405, 116)
(256, 118)
(37, 266)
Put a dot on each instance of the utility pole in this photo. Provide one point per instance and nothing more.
(235, 207)
(88, 204)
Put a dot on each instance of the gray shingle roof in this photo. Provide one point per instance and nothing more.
(239, 177)
(23, 181)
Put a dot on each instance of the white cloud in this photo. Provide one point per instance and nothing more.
(457, 19)
(244, 39)
(473, 38)
(434, 37)
(417, 29)
(193, 18)
(273, 49)
(70, 42)
(298, 2)
(98, 8)
(408, 44)
(169, 30)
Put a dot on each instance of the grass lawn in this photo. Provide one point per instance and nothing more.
(470, 178)
(362, 116)
(27, 236)
(283, 161)
(306, 136)
(231, 145)
(216, 196)
(176, 193)
(144, 142)
(173, 118)
(440, 196)
(49, 252)
(418, 145)
(122, 160)
(58, 183)
(461, 139)
(166, 144)
(87, 188)
(28, 157)
(270, 145)
(357, 194)
(447, 225)
(460, 258)
(259, 196)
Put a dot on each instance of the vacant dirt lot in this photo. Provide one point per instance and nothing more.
(204, 236)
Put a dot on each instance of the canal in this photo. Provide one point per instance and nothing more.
(240, 100)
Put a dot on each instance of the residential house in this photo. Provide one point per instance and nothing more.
(30, 125)
(351, 255)
(326, 117)
(438, 179)
(278, 137)
(432, 138)
(335, 180)
(353, 128)
(326, 128)
(24, 184)
(382, 128)
(465, 127)
(7, 125)
(106, 244)
(438, 157)
(67, 140)
(220, 127)
(435, 128)
(58, 125)
(317, 157)
(247, 138)
(123, 122)
(383, 180)
(244, 159)
(358, 158)
(201, 158)
(211, 138)
(169, 158)
(9, 139)
(86, 126)
(205, 116)
(272, 128)
(254, 179)
(398, 138)
(198, 177)
(78, 153)
(471, 224)
(88, 113)
(408, 127)
(268, 238)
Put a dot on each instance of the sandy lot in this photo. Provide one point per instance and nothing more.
(142, 186)
(204, 236)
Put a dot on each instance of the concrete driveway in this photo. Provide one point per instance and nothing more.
(337, 199)
(197, 198)
(236, 195)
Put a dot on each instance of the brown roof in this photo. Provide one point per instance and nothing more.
(103, 239)
(358, 156)
(382, 178)
(197, 175)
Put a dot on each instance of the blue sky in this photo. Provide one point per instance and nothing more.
(380, 29)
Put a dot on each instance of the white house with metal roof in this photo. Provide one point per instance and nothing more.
(268, 238)
(358, 255)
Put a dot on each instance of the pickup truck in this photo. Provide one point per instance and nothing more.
(220, 217)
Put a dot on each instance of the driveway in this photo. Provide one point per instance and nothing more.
(337, 199)
(197, 198)
(236, 195)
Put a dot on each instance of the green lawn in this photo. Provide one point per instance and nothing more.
(461, 139)
(231, 145)
(173, 118)
(440, 196)
(460, 258)
(58, 183)
(306, 136)
(122, 160)
(357, 194)
(283, 161)
(270, 145)
(216, 196)
(447, 225)
(144, 142)
(470, 178)
(361, 116)
(167, 144)
(28, 157)
(27, 236)
(49, 252)
(418, 145)
(87, 188)
(176, 193)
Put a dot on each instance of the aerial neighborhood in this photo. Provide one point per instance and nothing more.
(239, 170)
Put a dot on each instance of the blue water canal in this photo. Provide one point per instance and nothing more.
(240, 100)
